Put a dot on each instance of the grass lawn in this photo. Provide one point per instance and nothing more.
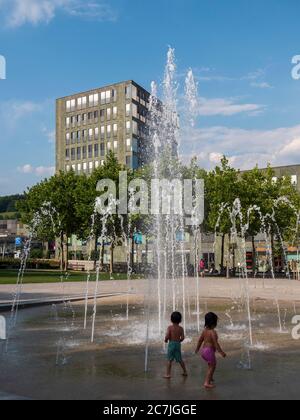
(35, 276)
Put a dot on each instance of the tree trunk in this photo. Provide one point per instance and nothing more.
(253, 256)
(62, 251)
(112, 258)
(102, 256)
(95, 251)
(66, 254)
(132, 253)
(273, 254)
(222, 253)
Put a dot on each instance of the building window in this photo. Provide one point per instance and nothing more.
(102, 115)
(84, 166)
(115, 111)
(102, 149)
(73, 137)
(128, 145)
(128, 92)
(115, 145)
(93, 100)
(108, 96)
(90, 151)
(84, 119)
(91, 166)
(71, 105)
(102, 132)
(68, 136)
(79, 167)
(97, 164)
(96, 133)
(134, 111)
(68, 122)
(90, 134)
(135, 129)
(96, 150)
(102, 98)
(114, 95)
(67, 154)
(109, 146)
(78, 136)
(115, 129)
(108, 131)
(68, 168)
(73, 168)
(128, 110)
(84, 152)
(96, 116)
(73, 154)
(128, 161)
(78, 153)
(81, 102)
(128, 127)
(108, 113)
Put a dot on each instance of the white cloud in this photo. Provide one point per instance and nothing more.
(39, 171)
(255, 78)
(50, 135)
(244, 148)
(226, 107)
(19, 12)
(261, 85)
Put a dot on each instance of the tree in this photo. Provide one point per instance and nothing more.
(55, 202)
(222, 188)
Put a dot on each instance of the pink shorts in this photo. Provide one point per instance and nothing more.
(208, 354)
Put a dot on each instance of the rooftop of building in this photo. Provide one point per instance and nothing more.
(283, 167)
(86, 92)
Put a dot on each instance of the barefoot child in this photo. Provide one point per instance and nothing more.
(175, 336)
(209, 340)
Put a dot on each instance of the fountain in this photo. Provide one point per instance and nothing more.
(169, 287)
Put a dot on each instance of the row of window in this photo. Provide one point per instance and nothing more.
(91, 100)
(294, 179)
(88, 167)
(106, 97)
(93, 134)
(91, 117)
(96, 150)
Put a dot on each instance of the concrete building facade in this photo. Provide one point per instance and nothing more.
(91, 124)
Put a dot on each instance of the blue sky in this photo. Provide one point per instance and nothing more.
(240, 52)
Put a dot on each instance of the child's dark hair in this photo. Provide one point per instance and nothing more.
(211, 320)
(176, 318)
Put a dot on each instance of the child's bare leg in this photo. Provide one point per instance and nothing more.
(213, 373)
(169, 369)
(209, 377)
(182, 364)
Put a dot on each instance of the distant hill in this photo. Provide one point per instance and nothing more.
(8, 208)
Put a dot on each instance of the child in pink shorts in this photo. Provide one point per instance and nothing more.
(210, 342)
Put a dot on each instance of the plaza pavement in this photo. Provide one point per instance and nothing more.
(269, 289)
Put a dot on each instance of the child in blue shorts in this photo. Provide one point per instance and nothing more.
(174, 338)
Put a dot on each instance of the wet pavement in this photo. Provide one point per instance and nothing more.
(50, 356)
